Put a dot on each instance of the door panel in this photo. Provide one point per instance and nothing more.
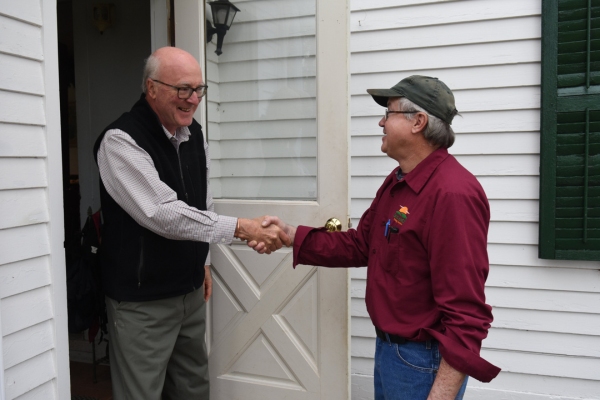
(277, 123)
(264, 326)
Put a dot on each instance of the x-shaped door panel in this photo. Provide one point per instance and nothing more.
(263, 326)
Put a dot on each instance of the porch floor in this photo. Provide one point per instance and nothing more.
(82, 382)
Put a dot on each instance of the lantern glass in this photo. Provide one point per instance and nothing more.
(231, 16)
(223, 12)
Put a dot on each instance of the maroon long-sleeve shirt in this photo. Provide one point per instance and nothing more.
(426, 277)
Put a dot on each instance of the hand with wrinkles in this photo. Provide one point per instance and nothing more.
(270, 236)
(269, 221)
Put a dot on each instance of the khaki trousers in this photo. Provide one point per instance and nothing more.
(157, 348)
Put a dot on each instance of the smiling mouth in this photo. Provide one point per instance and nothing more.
(184, 109)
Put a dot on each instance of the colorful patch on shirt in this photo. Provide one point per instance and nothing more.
(401, 215)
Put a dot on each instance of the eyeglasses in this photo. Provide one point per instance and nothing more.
(184, 92)
(387, 112)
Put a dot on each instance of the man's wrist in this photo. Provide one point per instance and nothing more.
(236, 233)
(241, 229)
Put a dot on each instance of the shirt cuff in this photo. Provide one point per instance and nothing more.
(224, 229)
(464, 360)
(301, 234)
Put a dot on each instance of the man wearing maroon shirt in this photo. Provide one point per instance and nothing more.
(424, 240)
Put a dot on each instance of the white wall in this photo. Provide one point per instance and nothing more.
(32, 268)
(546, 332)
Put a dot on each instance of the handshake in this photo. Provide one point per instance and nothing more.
(265, 234)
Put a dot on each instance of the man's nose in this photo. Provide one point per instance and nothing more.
(194, 99)
(382, 122)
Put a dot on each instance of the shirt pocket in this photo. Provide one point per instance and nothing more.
(390, 254)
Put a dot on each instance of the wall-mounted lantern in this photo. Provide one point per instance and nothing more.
(103, 15)
(223, 13)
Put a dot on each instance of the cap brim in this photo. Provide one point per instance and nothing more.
(381, 96)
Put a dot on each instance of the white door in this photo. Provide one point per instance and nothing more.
(277, 121)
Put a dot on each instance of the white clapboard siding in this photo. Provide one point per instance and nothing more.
(22, 141)
(21, 75)
(448, 34)
(23, 243)
(27, 343)
(46, 391)
(23, 207)
(29, 374)
(546, 329)
(24, 275)
(505, 75)
(21, 108)
(25, 309)
(511, 254)
(20, 173)
(529, 341)
(262, 119)
(33, 318)
(516, 386)
(411, 13)
(470, 55)
(20, 38)
(23, 10)
(567, 278)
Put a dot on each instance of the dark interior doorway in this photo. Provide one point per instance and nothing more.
(88, 379)
(68, 119)
(99, 78)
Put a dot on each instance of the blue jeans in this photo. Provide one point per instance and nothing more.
(407, 371)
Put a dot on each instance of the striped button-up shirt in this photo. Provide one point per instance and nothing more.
(129, 175)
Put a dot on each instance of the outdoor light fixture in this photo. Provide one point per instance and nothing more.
(223, 13)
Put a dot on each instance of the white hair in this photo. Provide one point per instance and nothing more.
(437, 132)
(151, 68)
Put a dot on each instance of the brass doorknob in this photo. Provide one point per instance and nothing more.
(333, 225)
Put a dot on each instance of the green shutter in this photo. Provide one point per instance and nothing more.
(570, 130)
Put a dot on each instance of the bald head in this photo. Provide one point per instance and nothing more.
(168, 71)
(163, 60)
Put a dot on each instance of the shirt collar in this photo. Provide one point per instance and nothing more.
(181, 134)
(418, 177)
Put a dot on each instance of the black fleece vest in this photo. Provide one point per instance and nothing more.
(137, 264)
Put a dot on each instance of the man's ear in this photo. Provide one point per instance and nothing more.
(150, 88)
(420, 122)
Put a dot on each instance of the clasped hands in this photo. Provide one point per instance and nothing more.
(265, 234)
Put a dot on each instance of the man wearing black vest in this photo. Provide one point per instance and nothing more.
(158, 220)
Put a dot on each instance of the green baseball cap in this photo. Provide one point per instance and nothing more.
(429, 93)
